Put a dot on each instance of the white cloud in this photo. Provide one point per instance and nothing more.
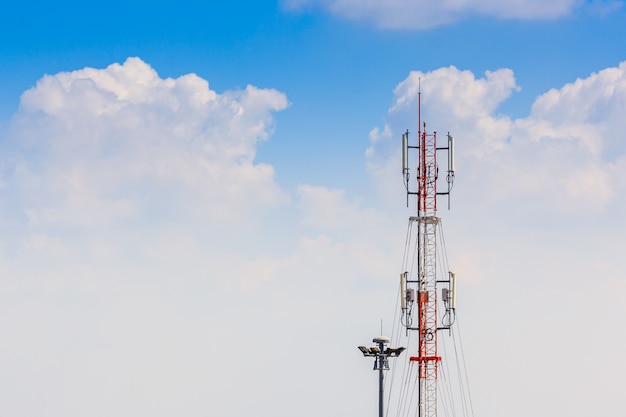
(117, 143)
(407, 14)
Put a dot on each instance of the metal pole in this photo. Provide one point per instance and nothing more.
(380, 380)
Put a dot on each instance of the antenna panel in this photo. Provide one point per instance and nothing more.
(450, 152)
(405, 152)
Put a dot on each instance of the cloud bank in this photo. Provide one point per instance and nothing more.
(150, 264)
(123, 194)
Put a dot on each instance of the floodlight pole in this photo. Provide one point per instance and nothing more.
(381, 363)
(381, 360)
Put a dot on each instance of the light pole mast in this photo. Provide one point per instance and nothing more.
(381, 353)
(419, 287)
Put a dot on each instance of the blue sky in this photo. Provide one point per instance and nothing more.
(196, 199)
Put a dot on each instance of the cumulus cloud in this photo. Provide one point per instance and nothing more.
(96, 146)
(407, 14)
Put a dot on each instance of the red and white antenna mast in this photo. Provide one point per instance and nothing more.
(419, 287)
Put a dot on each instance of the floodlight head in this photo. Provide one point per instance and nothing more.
(394, 352)
(364, 350)
(375, 350)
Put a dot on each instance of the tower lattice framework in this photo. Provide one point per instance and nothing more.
(427, 222)
(420, 288)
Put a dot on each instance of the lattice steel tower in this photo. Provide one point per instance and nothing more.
(419, 287)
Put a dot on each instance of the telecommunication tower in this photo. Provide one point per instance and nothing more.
(420, 302)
